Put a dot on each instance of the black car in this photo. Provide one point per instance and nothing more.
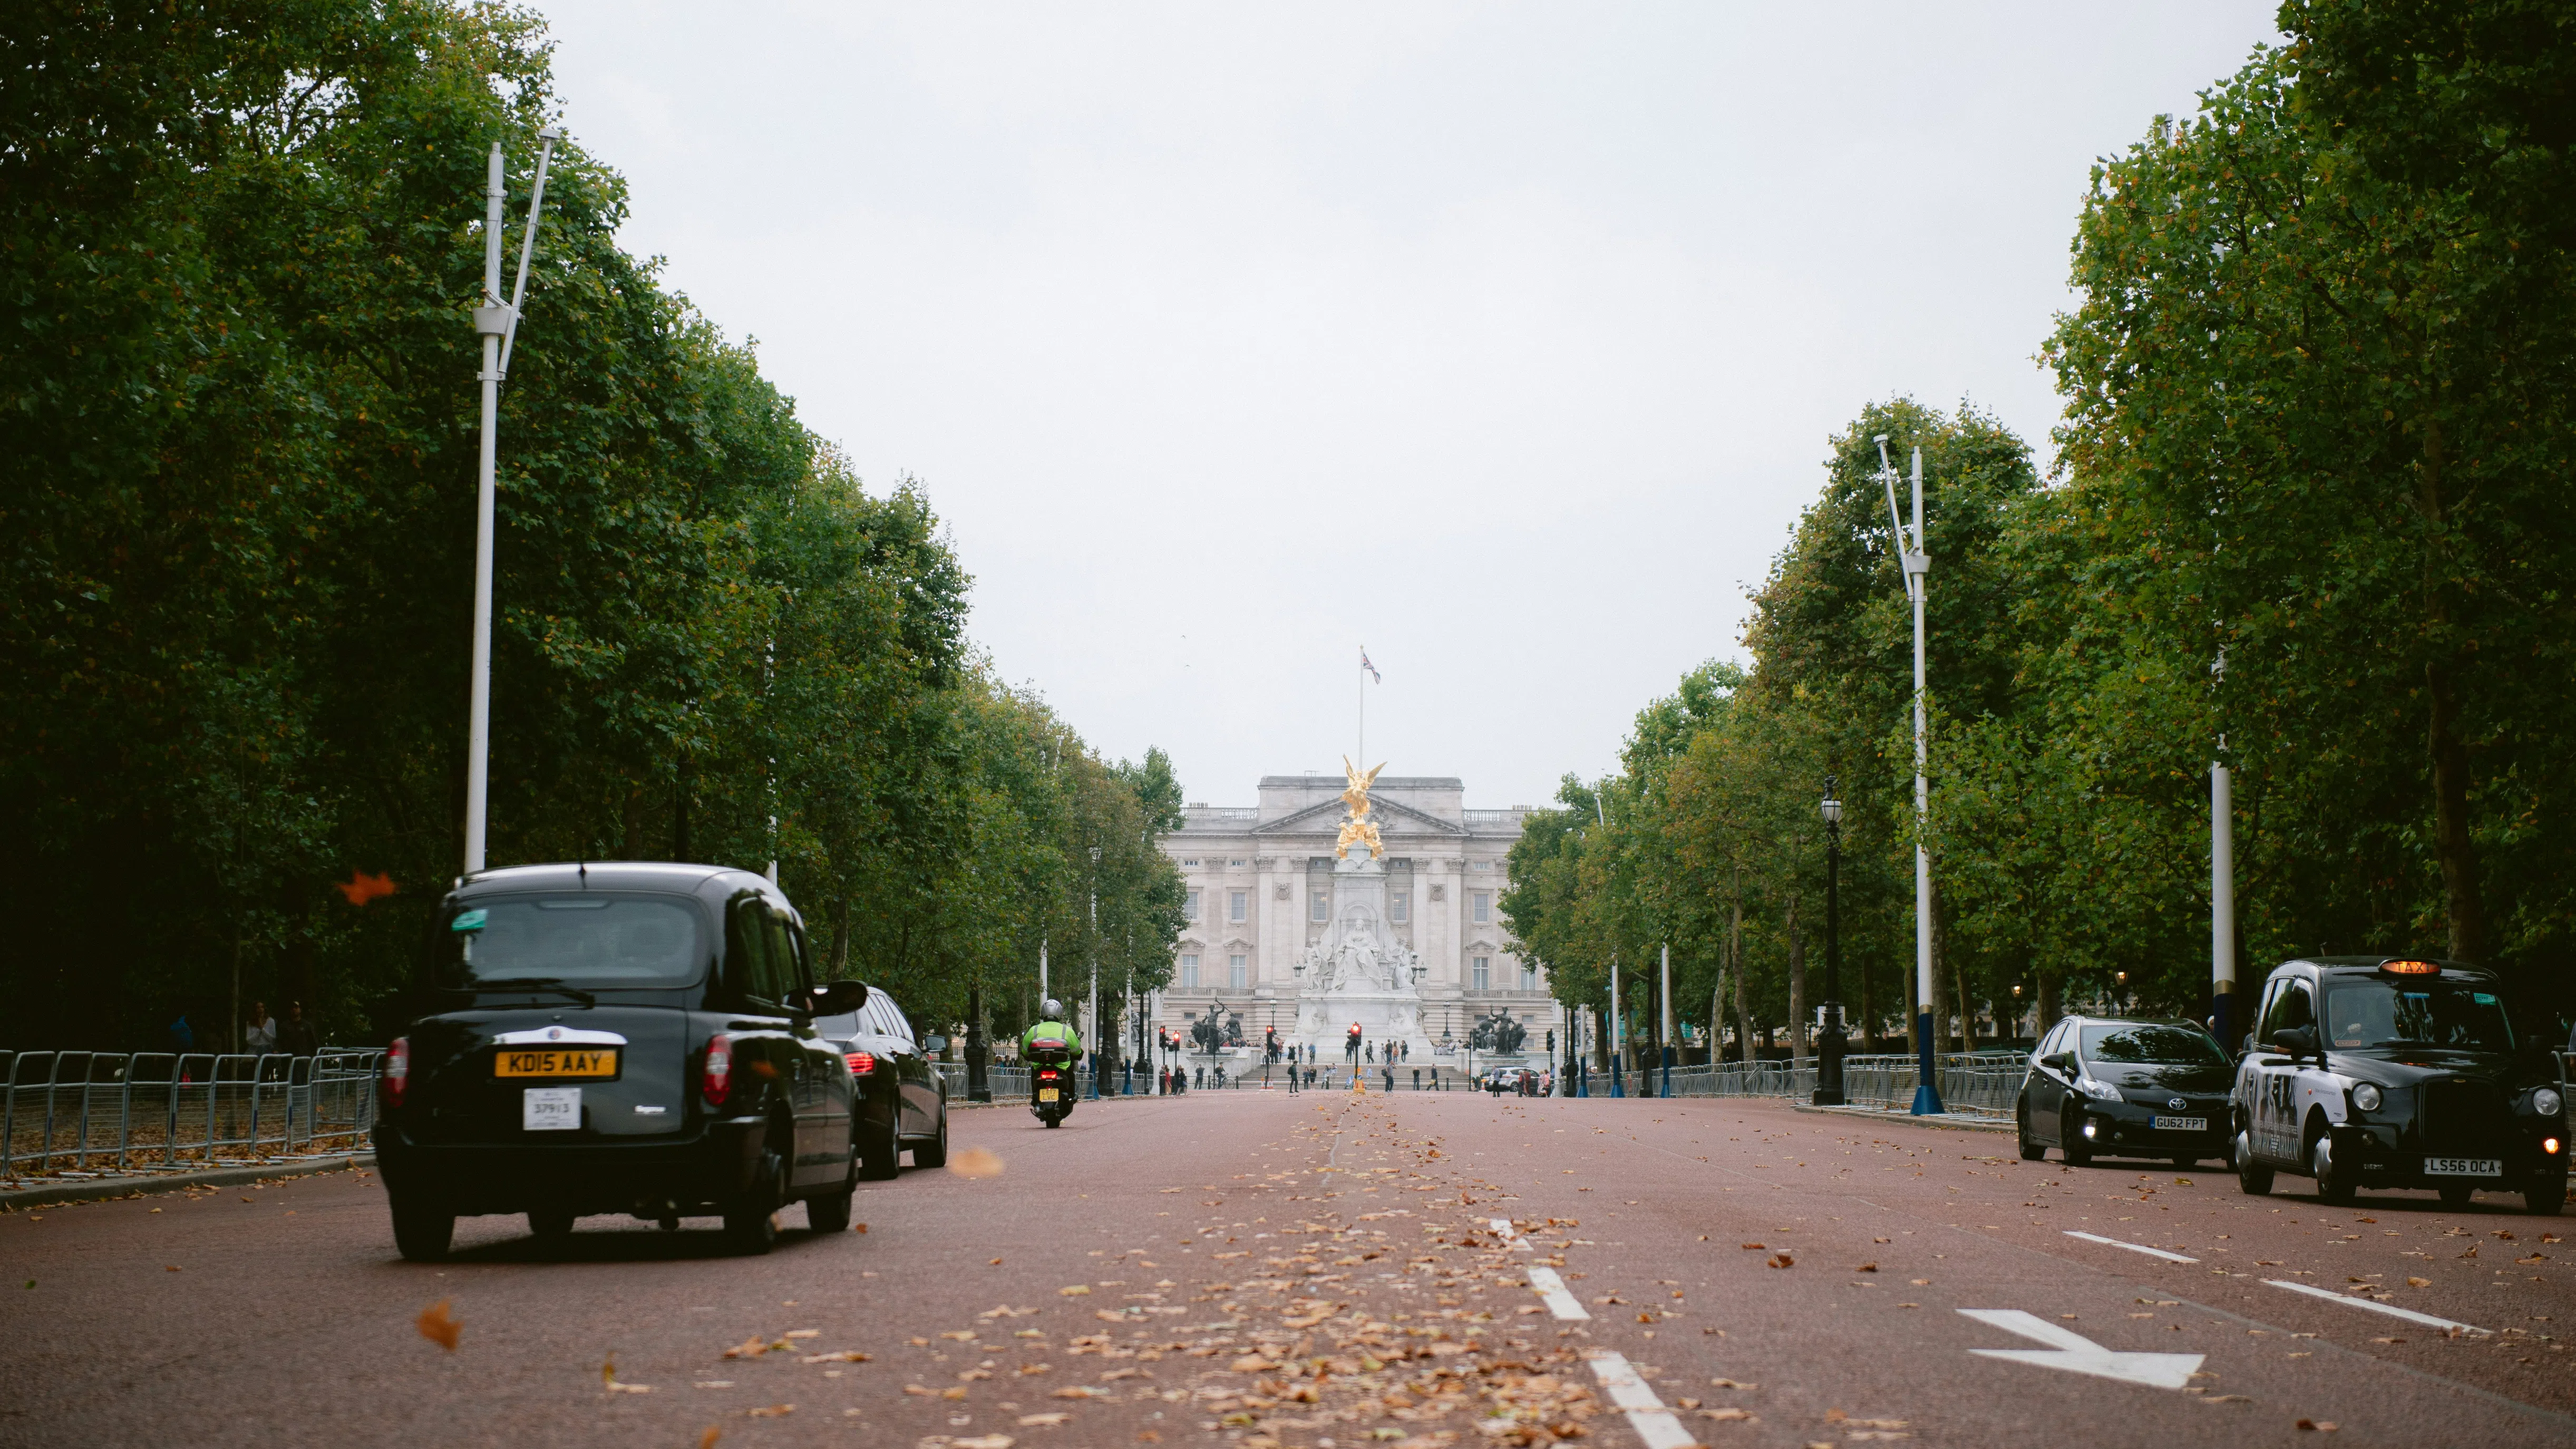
(2116, 1087)
(2398, 1072)
(628, 1038)
(901, 1100)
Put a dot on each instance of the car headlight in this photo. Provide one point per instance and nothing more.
(2547, 1102)
(2100, 1091)
(2366, 1097)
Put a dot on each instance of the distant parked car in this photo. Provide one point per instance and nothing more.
(902, 1100)
(2111, 1086)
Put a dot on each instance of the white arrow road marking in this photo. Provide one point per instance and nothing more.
(1503, 1226)
(2375, 1306)
(2077, 1354)
(2132, 1247)
(1552, 1288)
(1646, 1414)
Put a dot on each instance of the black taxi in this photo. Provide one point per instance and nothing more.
(616, 1038)
(2398, 1072)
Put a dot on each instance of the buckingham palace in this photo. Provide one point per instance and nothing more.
(1260, 893)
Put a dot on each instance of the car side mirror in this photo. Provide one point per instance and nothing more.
(2297, 1041)
(2058, 1061)
(832, 998)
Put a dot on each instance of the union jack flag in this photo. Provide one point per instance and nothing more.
(1371, 668)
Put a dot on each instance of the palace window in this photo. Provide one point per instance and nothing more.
(1237, 904)
(1529, 976)
(1484, 973)
(1190, 906)
(1234, 862)
(1189, 862)
(1234, 971)
(1189, 968)
(1484, 906)
(1319, 909)
(1399, 907)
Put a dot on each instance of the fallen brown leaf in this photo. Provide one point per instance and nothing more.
(2419, 1282)
(774, 1411)
(2322, 1426)
(438, 1325)
(975, 1162)
(1042, 1421)
(847, 1355)
(708, 1439)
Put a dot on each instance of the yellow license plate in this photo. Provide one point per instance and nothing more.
(1046, 1094)
(556, 1062)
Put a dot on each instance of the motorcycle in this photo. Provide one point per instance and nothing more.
(1050, 1082)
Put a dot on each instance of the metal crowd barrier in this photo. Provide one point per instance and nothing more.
(76, 1113)
(1972, 1084)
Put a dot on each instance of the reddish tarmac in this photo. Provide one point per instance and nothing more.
(1325, 1270)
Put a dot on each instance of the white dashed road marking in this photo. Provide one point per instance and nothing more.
(2375, 1306)
(1646, 1414)
(2132, 1247)
(1551, 1288)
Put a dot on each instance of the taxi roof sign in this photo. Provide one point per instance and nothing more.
(2404, 967)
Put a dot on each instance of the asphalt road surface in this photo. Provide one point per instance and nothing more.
(1329, 1270)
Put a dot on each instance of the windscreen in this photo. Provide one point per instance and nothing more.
(585, 940)
(2147, 1044)
(2370, 1013)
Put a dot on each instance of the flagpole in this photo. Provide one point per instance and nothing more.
(1363, 683)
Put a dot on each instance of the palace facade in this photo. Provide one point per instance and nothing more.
(1260, 894)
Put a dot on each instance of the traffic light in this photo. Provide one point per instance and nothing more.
(1551, 1040)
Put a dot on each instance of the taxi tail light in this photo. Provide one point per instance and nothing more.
(2549, 1145)
(397, 1070)
(861, 1063)
(715, 1081)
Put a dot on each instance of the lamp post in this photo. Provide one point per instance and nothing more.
(1918, 565)
(1618, 1024)
(1096, 1037)
(1829, 1041)
(1664, 983)
(498, 322)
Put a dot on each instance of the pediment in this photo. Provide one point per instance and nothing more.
(1327, 815)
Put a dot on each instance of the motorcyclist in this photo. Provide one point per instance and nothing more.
(1051, 1028)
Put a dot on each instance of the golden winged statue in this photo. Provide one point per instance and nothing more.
(1357, 827)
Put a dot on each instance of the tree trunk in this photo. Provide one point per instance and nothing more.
(680, 851)
(1735, 953)
(841, 938)
(1797, 988)
(1868, 1016)
(2050, 1005)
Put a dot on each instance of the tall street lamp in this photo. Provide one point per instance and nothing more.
(1829, 1042)
(498, 322)
(1918, 565)
(1096, 1036)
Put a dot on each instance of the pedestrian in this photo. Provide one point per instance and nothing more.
(1389, 1069)
(259, 1030)
(1417, 1078)
(297, 1038)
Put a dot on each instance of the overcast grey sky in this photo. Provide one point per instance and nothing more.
(1502, 339)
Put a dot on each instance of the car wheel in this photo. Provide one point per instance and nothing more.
(550, 1225)
(2334, 1186)
(2030, 1151)
(2071, 1142)
(751, 1223)
(933, 1153)
(2456, 1194)
(2546, 1198)
(2252, 1176)
(880, 1150)
(420, 1234)
(829, 1214)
